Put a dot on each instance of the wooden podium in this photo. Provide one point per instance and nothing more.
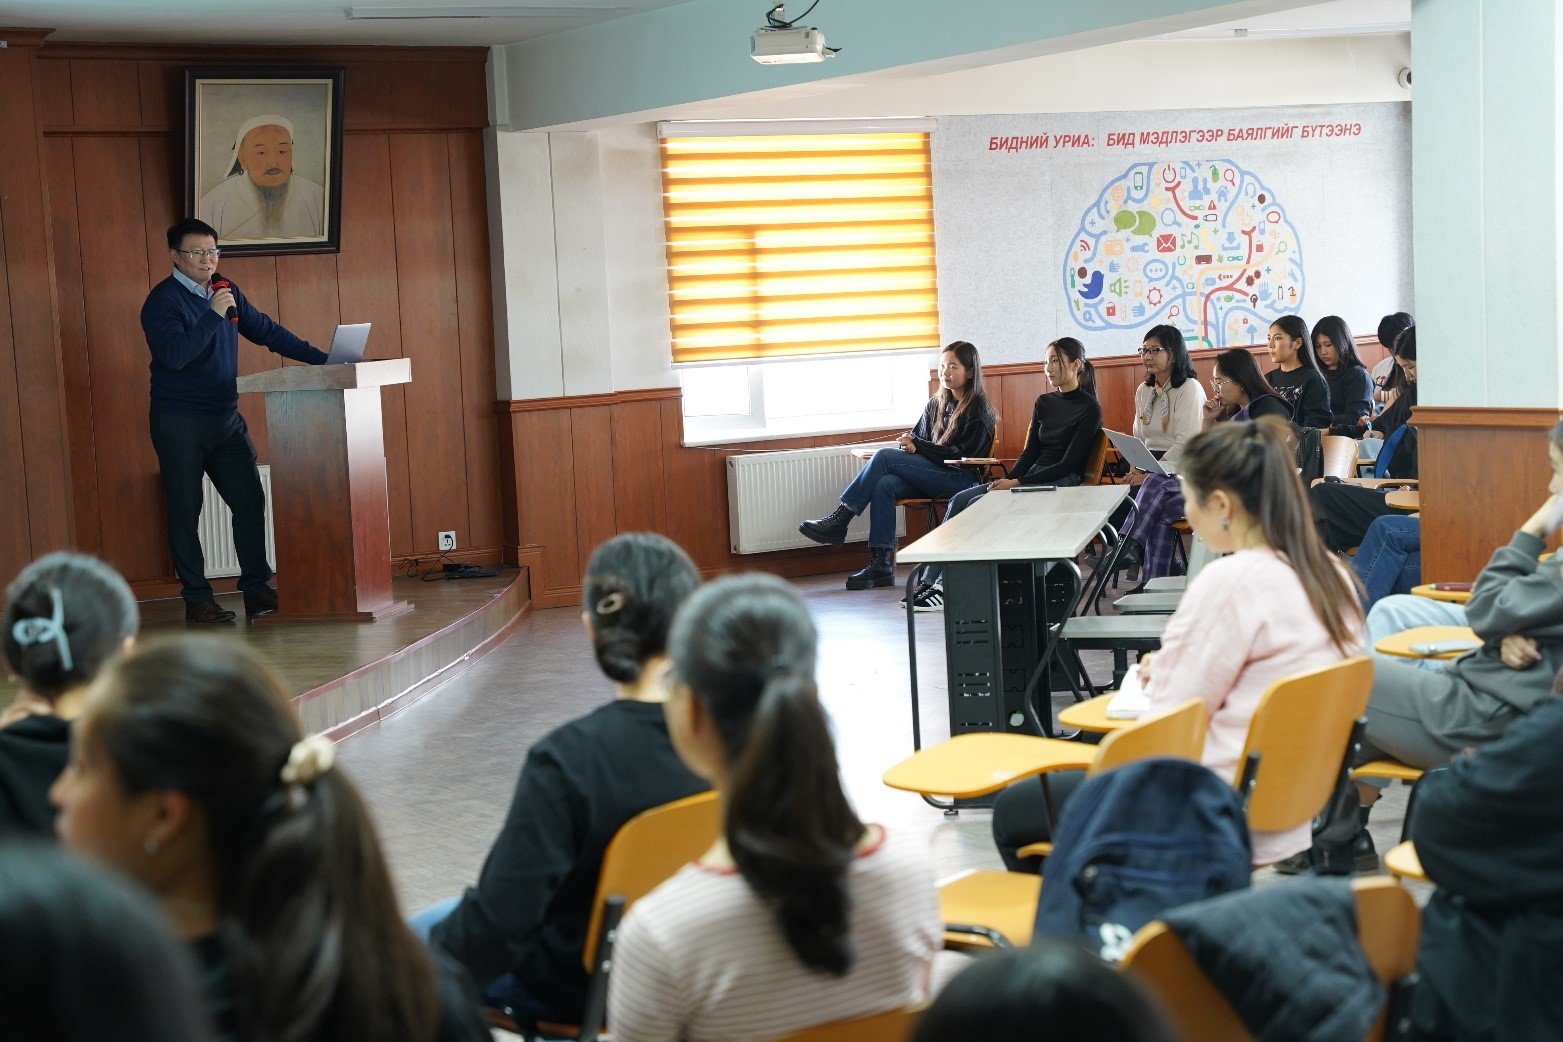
(331, 521)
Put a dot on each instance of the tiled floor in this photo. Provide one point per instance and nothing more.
(439, 774)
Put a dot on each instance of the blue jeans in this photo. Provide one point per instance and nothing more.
(1400, 612)
(891, 475)
(1390, 557)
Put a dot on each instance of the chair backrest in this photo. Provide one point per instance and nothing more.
(1387, 925)
(1096, 460)
(1178, 732)
(647, 850)
(890, 1026)
(1340, 456)
(1300, 732)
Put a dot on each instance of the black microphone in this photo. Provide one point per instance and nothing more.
(218, 282)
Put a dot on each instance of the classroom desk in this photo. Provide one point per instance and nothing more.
(997, 632)
(1408, 500)
(1091, 715)
(1448, 596)
(1399, 644)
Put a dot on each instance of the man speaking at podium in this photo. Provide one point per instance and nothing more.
(192, 321)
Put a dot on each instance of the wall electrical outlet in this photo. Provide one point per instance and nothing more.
(447, 541)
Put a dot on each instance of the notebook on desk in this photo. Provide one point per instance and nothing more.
(1130, 702)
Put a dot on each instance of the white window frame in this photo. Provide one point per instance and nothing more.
(907, 402)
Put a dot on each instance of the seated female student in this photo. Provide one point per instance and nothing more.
(1150, 540)
(1065, 423)
(799, 914)
(1296, 378)
(189, 774)
(521, 930)
(1342, 510)
(1009, 996)
(1351, 388)
(65, 615)
(87, 957)
(1489, 832)
(957, 423)
(1278, 604)
(1169, 405)
(1389, 329)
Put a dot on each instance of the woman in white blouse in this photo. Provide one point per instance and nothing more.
(1169, 407)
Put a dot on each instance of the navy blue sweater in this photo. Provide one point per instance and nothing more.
(195, 351)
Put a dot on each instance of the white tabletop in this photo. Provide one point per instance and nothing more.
(1020, 526)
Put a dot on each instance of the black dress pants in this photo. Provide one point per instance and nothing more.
(1343, 512)
(220, 448)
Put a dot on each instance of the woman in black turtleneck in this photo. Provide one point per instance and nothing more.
(1065, 423)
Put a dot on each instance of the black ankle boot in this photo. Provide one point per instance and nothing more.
(879, 572)
(830, 529)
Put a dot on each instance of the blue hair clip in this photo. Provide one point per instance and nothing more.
(39, 631)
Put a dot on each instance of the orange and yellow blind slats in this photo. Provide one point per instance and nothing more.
(788, 245)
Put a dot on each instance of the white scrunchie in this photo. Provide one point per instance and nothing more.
(309, 759)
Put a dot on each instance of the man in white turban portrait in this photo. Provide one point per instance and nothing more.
(261, 197)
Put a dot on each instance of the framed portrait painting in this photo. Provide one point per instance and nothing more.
(263, 157)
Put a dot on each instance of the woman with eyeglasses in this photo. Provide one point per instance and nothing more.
(1169, 405)
(957, 423)
(1238, 387)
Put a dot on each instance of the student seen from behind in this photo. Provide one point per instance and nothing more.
(521, 930)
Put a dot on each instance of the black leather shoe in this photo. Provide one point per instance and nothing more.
(207, 613)
(260, 602)
(831, 530)
(880, 570)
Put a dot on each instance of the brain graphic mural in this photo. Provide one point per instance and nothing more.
(1204, 246)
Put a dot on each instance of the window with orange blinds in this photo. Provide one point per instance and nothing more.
(788, 245)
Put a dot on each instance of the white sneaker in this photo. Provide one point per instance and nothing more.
(929, 597)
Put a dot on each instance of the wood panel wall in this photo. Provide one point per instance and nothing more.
(1483, 473)
(581, 469)
(36, 515)
(414, 261)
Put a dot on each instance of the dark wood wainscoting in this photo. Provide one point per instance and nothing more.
(102, 125)
(1484, 471)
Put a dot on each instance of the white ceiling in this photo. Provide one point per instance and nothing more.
(309, 21)
(323, 21)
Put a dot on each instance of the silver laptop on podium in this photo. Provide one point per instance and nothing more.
(1139, 457)
(348, 343)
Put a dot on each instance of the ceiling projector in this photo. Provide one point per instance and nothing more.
(788, 46)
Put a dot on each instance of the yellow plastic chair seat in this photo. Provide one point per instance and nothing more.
(1401, 862)
(1002, 901)
(1091, 715)
(1387, 770)
(1399, 644)
(977, 764)
(1450, 596)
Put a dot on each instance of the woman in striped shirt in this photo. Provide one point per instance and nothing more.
(799, 914)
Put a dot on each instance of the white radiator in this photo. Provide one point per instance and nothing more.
(768, 493)
(216, 528)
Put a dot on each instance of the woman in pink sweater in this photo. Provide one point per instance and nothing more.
(1278, 604)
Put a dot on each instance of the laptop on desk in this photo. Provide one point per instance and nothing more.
(348, 343)
(1138, 456)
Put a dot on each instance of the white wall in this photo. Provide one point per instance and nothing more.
(580, 268)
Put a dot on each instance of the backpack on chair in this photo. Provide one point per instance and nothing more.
(1136, 842)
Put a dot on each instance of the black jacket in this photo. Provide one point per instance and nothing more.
(33, 752)
(971, 438)
(1489, 833)
(1287, 958)
(529, 911)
